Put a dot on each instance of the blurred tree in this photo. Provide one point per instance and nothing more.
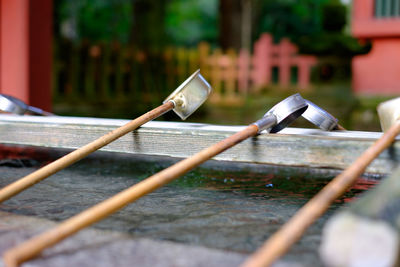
(96, 20)
(316, 26)
(143, 22)
(148, 27)
(230, 15)
(235, 23)
(247, 23)
(191, 21)
(333, 16)
(288, 18)
(331, 40)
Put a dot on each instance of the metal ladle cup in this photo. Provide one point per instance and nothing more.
(190, 95)
(320, 117)
(282, 114)
(16, 106)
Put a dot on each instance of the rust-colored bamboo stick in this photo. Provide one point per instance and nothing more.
(280, 242)
(35, 177)
(34, 246)
(340, 128)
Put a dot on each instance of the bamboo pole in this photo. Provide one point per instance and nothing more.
(340, 128)
(280, 242)
(35, 177)
(34, 246)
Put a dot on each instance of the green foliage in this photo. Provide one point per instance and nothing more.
(333, 16)
(316, 26)
(191, 21)
(142, 21)
(105, 20)
(331, 44)
(288, 18)
(95, 20)
(148, 29)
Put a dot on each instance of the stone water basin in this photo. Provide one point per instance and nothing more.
(226, 210)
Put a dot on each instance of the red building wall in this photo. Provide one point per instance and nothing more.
(25, 50)
(377, 72)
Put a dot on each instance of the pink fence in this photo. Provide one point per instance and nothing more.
(234, 75)
(114, 71)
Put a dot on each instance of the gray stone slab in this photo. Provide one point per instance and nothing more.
(92, 247)
(99, 248)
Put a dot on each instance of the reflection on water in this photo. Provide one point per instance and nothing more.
(231, 209)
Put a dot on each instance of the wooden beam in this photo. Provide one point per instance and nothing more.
(291, 147)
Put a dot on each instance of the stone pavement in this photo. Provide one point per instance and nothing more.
(100, 248)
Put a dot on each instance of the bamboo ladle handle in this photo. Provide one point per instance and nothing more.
(35, 177)
(340, 128)
(292, 230)
(34, 246)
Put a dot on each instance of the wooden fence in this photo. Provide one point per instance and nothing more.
(103, 72)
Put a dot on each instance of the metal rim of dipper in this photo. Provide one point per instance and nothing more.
(16, 106)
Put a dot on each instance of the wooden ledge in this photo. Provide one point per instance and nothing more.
(291, 147)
